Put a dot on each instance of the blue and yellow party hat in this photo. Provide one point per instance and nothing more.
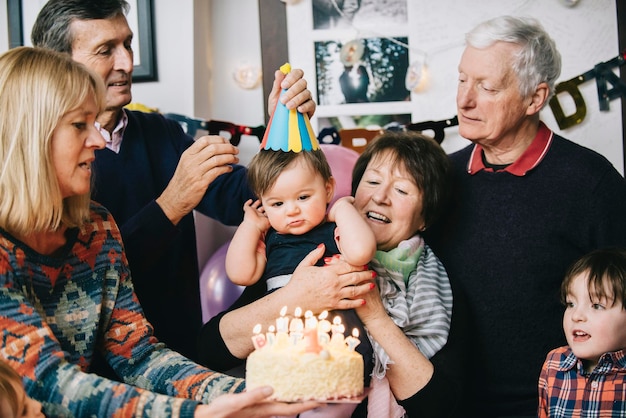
(289, 130)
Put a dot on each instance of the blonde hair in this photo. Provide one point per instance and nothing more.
(37, 88)
(7, 391)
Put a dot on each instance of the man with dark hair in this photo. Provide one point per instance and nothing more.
(151, 175)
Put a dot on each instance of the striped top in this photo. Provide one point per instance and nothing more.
(55, 311)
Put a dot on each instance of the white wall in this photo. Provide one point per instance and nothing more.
(199, 44)
(235, 35)
(4, 34)
(174, 91)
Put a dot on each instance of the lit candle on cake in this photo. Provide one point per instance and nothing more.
(353, 340)
(282, 323)
(310, 321)
(323, 324)
(296, 326)
(270, 336)
(323, 328)
(258, 339)
(337, 329)
(282, 328)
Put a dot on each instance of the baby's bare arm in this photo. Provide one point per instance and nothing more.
(356, 241)
(245, 258)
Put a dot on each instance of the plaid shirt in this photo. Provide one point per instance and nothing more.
(566, 390)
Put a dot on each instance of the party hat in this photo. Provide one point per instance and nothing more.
(289, 130)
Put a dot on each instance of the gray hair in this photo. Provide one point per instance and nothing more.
(52, 26)
(538, 60)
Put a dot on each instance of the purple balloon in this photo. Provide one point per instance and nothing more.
(341, 161)
(217, 292)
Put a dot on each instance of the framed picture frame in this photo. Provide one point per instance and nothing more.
(22, 14)
(357, 79)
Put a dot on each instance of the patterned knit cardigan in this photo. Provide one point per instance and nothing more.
(55, 311)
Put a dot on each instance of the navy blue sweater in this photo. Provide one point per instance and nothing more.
(162, 257)
(508, 246)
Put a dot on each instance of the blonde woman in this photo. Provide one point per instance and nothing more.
(65, 286)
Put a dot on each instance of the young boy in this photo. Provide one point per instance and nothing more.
(589, 375)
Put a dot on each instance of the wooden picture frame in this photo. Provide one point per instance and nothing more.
(140, 19)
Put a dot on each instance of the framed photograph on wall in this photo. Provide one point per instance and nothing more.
(358, 56)
(344, 14)
(370, 78)
(22, 15)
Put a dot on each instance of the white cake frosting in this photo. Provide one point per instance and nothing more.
(301, 367)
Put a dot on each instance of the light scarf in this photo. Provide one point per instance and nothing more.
(416, 293)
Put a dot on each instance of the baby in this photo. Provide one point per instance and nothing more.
(289, 220)
(293, 182)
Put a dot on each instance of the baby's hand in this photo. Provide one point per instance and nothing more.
(346, 200)
(254, 214)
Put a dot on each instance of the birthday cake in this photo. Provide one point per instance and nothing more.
(305, 359)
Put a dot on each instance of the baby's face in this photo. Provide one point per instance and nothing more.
(592, 327)
(297, 202)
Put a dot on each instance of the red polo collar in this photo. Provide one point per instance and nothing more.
(526, 162)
